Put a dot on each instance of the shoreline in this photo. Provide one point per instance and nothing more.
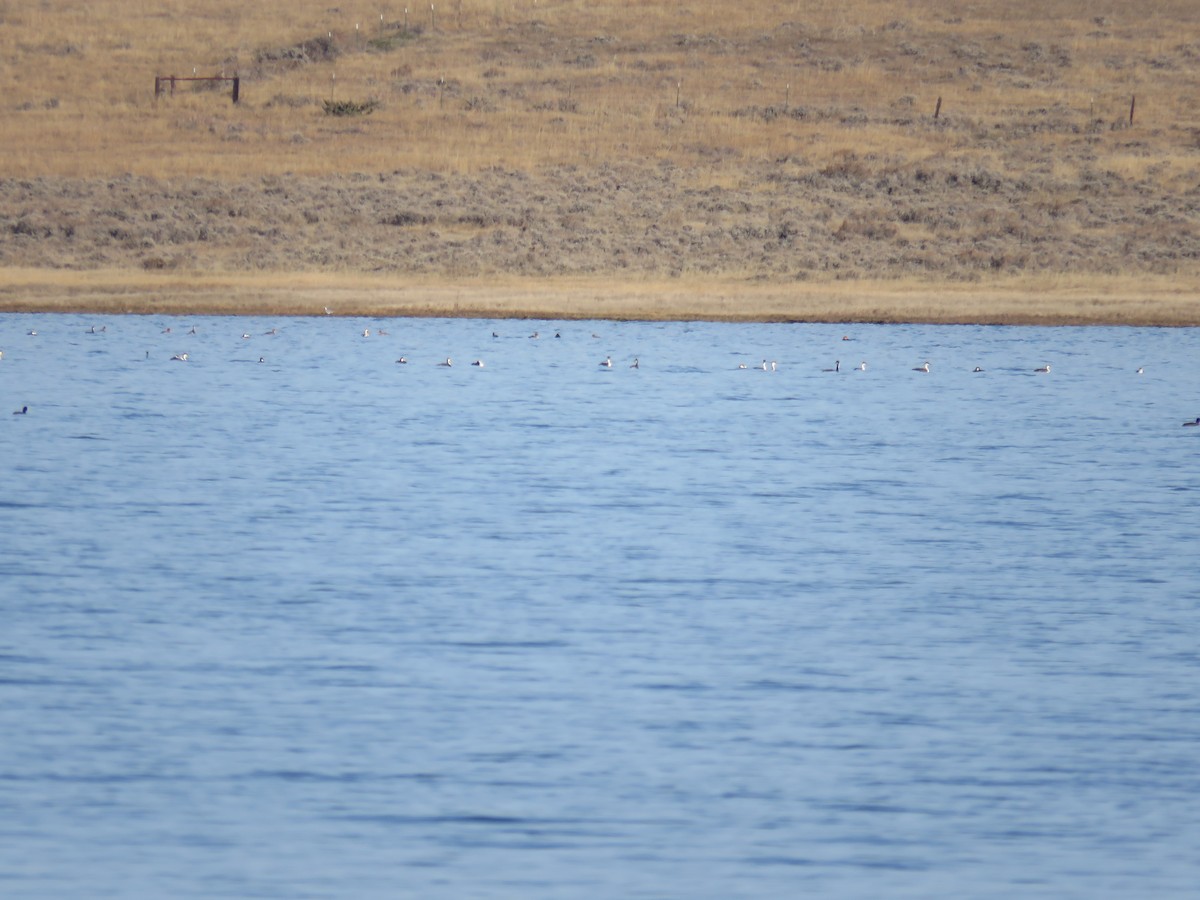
(1144, 302)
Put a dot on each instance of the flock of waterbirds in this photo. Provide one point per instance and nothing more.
(606, 363)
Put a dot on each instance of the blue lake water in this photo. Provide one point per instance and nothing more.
(331, 626)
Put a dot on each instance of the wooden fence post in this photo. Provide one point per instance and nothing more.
(164, 82)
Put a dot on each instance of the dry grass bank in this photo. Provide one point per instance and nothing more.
(778, 143)
(1017, 301)
(778, 222)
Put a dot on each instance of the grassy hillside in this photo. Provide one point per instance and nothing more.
(481, 83)
(762, 141)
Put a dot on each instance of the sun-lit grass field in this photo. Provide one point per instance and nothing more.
(1062, 137)
(466, 85)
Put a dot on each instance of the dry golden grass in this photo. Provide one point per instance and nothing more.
(797, 144)
(1009, 301)
(523, 84)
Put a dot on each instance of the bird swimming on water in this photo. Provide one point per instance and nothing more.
(179, 357)
(1044, 370)
(837, 367)
(1192, 424)
(20, 412)
(922, 368)
(607, 364)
